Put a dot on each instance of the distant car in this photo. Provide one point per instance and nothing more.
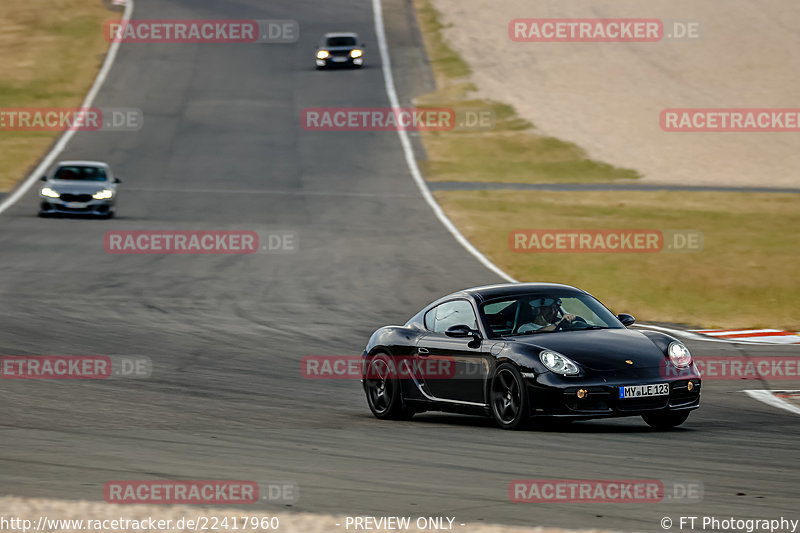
(528, 351)
(79, 187)
(340, 50)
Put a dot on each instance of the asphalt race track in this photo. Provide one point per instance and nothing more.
(223, 148)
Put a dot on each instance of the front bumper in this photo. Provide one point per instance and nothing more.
(557, 396)
(343, 61)
(51, 206)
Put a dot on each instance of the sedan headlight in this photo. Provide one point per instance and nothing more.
(679, 355)
(355, 53)
(50, 193)
(105, 194)
(322, 54)
(558, 364)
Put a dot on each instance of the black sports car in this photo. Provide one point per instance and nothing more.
(522, 352)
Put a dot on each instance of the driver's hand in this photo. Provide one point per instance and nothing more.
(569, 317)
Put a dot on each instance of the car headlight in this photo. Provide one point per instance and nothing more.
(558, 364)
(322, 54)
(355, 53)
(105, 194)
(679, 355)
(50, 193)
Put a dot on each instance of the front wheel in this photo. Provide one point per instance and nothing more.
(384, 397)
(665, 420)
(509, 398)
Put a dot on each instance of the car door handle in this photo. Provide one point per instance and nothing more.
(424, 351)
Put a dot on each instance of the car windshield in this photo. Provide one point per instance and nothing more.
(549, 312)
(80, 173)
(341, 41)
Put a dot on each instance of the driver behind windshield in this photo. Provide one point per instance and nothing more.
(545, 313)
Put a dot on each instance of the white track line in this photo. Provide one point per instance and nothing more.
(408, 150)
(59, 147)
(770, 399)
(708, 338)
(721, 332)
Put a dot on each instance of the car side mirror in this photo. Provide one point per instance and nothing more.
(462, 331)
(117, 180)
(43, 178)
(626, 319)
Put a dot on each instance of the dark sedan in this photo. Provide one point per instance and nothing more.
(522, 352)
(340, 50)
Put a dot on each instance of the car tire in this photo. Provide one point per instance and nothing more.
(662, 421)
(508, 398)
(384, 396)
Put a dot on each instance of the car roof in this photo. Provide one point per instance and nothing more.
(340, 34)
(490, 292)
(82, 163)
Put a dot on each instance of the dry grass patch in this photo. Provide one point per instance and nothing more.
(50, 53)
(745, 276)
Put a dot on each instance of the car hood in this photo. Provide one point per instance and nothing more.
(77, 187)
(601, 349)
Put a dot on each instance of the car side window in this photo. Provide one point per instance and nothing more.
(430, 318)
(500, 316)
(576, 307)
(450, 314)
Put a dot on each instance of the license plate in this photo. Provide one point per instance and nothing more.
(338, 59)
(641, 391)
(76, 205)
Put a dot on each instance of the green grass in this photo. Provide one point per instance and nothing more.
(503, 157)
(745, 276)
(448, 63)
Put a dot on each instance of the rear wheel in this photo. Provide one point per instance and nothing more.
(384, 396)
(665, 420)
(508, 398)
